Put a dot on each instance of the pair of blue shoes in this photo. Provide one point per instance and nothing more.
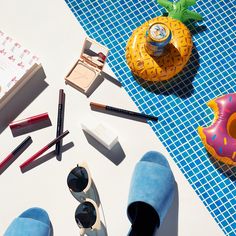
(151, 194)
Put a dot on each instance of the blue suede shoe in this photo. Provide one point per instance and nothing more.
(32, 222)
(151, 194)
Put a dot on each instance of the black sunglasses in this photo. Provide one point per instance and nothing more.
(86, 215)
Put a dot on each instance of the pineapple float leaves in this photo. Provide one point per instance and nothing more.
(179, 10)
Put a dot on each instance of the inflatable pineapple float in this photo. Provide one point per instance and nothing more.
(161, 47)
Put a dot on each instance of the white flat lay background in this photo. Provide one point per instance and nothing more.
(50, 30)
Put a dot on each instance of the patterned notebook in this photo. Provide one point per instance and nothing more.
(15, 64)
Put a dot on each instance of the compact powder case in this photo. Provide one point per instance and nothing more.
(86, 70)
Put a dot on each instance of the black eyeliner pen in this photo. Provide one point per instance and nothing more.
(122, 111)
(60, 120)
(17, 151)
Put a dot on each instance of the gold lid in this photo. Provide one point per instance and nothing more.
(158, 32)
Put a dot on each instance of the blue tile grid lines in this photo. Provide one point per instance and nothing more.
(179, 103)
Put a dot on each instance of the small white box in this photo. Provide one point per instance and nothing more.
(100, 132)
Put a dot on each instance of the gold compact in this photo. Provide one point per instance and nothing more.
(87, 69)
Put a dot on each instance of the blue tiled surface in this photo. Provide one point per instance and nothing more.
(180, 103)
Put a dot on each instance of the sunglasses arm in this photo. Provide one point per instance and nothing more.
(81, 231)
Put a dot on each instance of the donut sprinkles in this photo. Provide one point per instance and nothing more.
(220, 137)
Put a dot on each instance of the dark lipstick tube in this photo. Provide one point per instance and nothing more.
(29, 121)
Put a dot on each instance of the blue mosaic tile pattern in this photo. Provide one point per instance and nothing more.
(179, 103)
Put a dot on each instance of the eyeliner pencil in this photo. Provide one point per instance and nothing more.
(122, 111)
(17, 151)
(60, 120)
(44, 149)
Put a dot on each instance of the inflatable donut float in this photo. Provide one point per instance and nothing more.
(175, 55)
(220, 137)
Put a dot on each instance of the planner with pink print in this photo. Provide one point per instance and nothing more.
(17, 65)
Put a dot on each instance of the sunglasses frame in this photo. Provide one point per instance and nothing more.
(97, 224)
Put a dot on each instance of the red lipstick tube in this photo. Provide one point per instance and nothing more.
(29, 121)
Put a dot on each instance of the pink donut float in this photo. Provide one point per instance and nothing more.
(220, 137)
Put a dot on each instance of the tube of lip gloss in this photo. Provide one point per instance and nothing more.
(29, 121)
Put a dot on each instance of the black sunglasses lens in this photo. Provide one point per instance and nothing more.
(85, 215)
(78, 179)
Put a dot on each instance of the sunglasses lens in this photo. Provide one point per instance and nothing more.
(85, 215)
(78, 179)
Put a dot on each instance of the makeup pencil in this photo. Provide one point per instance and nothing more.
(44, 149)
(122, 111)
(60, 120)
(17, 151)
